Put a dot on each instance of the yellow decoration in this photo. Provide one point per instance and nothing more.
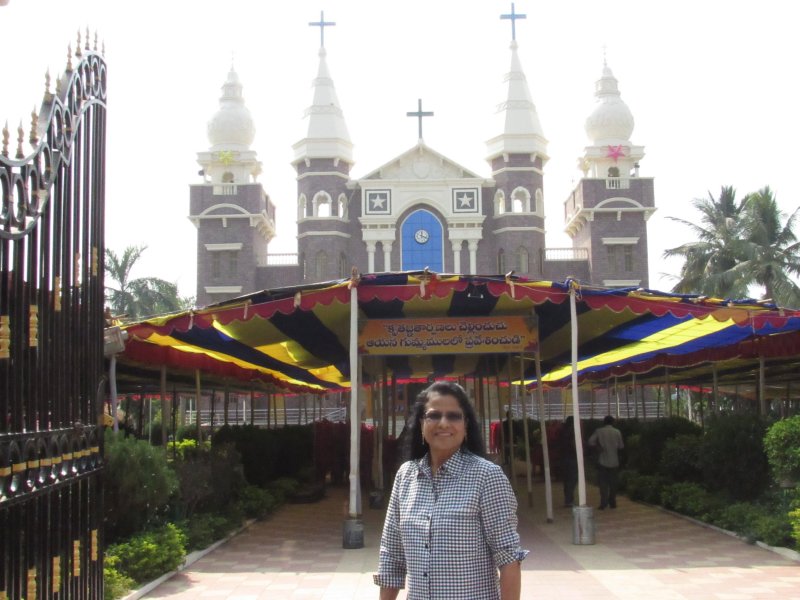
(94, 545)
(33, 335)
(225, 157)
(56, 574)
(32, 582)
(5, 336)
(57, 295)
(76, 558)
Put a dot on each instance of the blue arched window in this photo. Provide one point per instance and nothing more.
(422, 240)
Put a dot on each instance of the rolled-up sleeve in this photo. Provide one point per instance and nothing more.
(392, 563)
(499, 518)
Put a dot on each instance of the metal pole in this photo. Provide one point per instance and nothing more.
(353, 527)
(548, 486)
(520, 391)
(112, 381)
(583, 515)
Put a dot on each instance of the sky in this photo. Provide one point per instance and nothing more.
(710, 83)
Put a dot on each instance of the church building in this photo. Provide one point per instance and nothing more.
(420, 209)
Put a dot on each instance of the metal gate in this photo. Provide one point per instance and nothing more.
(51, 340)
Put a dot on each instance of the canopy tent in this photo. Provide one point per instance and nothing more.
(298, 338)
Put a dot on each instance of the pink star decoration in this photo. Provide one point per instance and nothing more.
(615, 152)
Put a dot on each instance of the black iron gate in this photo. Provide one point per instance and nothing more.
(51, 340)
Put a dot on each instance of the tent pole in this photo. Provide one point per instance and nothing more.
(525, 427)
(583, 519)
(112, 383)
(548, 486)
(510, 424)
(164, 407)
(762, 392)
(197, 406)
(715, 387)
(353, 527)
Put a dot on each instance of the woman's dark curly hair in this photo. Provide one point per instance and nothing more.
(414, 447)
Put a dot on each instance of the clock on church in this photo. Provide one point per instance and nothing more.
(421, 236)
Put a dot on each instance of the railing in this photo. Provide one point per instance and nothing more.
(282, 260)
(275, 418)
(615, 183)
(554, 254)
(225, 189)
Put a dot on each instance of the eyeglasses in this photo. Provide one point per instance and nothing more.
(434, 416)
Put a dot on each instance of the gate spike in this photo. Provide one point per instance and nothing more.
(47, 95)
(87, 47)
(5, 139)
(34, 138)
(78, 45)
(20, 138)
(69, 58)
(58, 86)
(95, 40)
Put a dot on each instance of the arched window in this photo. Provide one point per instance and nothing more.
(501, 261)
(301, 207)
(344, 270)
(227, 177)
(522, 260)
(321, 266)
(520, 200)
(613, 171)
(422, 239)
(499, 202)
(322, 204)
(342, 205)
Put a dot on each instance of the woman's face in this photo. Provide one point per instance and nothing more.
(443, 425)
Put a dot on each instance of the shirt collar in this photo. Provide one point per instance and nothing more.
(452, 467)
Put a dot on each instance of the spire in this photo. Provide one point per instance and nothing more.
(522, 132)
(327, 135)
(231, 127)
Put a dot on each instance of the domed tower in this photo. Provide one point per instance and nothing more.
(323, 159)
(234, 217)
(517, 157)
(607, 212)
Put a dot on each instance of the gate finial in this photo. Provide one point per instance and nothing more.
(34, 138)
(5, 139)
(69, 57)
(78, 52)
(20, 137)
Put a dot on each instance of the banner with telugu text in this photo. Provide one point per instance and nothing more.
(463, 335)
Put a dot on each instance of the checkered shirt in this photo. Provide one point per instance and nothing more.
(449, 533)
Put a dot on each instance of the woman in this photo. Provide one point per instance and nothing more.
(451, 523)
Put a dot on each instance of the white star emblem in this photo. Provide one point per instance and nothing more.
(377, 201)
(465, 200)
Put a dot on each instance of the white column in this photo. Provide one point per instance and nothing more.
(456, 255)
(370, 257)
(473, 256)
(387, 255)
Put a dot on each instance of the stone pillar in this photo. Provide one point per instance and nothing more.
(473, 256)
(456, 255)
(370, 257)
(387, 255)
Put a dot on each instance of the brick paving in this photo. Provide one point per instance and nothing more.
(640, 552)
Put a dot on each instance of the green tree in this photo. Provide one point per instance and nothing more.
(740, 245)
(770, 254)
(710, 259)
(141, 297)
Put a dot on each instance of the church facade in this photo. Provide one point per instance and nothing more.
(420, 209)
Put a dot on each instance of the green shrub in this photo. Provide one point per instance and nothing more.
(203, 529)
(186, 432)
(256, 503)
(782, 445)
(644, 447)
(283, 488)
(680, 458)
(646, 488)
(740, 518)
(794, 522)
(691, 499)
(149, 555)
(732, 458)
(138, 486)
(115, 584)
(774, 530)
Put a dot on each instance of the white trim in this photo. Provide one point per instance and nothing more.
(518, 170)
(621, 282)
(507, 229)
(224, 247)
(620, 241)
(318, 233)
(223, 289)
(315, 173)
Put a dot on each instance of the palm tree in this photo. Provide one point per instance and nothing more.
(709, 261)
(137, 298)
(770, 256)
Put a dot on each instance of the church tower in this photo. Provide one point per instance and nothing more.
(607, 212)
(517, 157)
(323, 159)
(234, 217)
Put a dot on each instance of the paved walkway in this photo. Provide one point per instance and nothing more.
(641, 552)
